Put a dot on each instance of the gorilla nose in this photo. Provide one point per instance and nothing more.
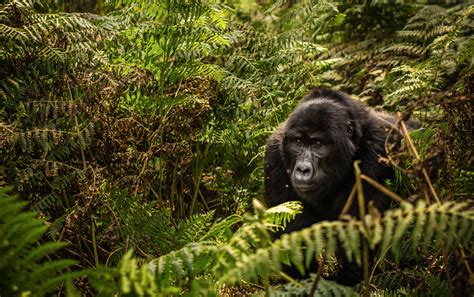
(303, 171)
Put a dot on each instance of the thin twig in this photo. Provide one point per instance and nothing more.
(365, 246)
(378, 262)
(110, 255)
(289, 278)
(464, 259)
(317, 278)
(94, 244)
(412, 149)
(254, 285)
(381, 188)
(349, 202)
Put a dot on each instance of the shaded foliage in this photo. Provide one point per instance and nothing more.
(143, 127)
(25, 264)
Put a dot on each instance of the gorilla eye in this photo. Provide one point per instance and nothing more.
(316, 142)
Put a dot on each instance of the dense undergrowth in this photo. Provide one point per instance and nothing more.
(135, 132)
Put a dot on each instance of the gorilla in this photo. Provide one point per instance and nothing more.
(309, 158)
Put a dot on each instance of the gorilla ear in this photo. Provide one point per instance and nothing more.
(354, 130)
(350, 128)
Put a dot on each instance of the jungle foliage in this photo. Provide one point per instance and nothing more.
(132, 134)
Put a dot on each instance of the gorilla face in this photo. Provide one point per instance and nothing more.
(317, 148)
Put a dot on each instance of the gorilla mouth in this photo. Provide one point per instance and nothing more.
(304, 187)
(309, 184)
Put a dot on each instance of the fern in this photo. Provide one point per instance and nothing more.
(141, 225)
(91, 104)
(281, 214)
(194, 31)
(321, 237)
(394, 282)
(25, 265)
(432, 36)
(170, 274)
(189, 267)
(324, 288)
(37, 53)
(261, 81)
(194, 228)
(249, 254)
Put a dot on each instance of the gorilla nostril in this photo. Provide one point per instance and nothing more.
(303, 171)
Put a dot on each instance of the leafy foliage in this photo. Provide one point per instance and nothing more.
(172, 40)
(139, 133)
(71, 134)
(433, 36)
(25, 264)
(428, 228)
(249, 255)
(283, 213)
(41, 112)
(194, 267)
(324, 288)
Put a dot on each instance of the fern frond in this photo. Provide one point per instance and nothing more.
(321, 237)
(281, 214)
(192, 229)
(221, 230)
(25, 264)
(406, 49)
(324, 288)
(164, 275)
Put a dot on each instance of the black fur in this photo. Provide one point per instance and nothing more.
(342, 130)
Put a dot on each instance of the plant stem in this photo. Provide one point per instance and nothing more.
(318, 277)
(365, 247)
(94, 244)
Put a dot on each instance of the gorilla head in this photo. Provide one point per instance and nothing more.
(318, 147)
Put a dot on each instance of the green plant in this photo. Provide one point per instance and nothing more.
(198, 267)
(439, 228)
(306, 288)
(431, 47)
(26, 265)
(144, 129)
(41, 115)
(79, 112)
(249, 255)
(173, 40)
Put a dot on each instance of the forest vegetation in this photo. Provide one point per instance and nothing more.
(132, 137)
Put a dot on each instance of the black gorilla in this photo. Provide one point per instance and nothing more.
(310, 159)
